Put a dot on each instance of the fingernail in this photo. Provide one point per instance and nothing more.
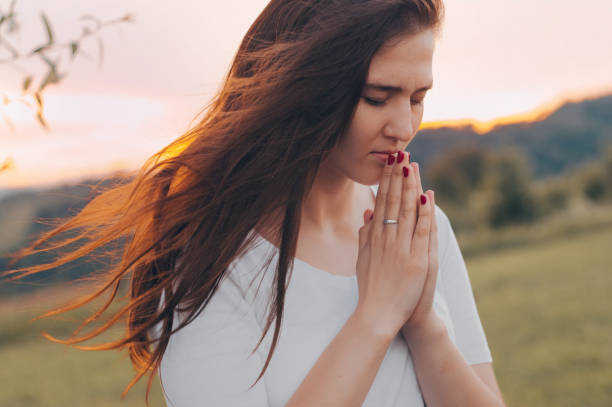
(406, 172)
(400, 156)
(372, 216)
(391, 159)
(423, 199)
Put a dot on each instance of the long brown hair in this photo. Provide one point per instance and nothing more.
(248, 164)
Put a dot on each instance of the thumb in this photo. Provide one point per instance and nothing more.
(367, 216)
(363, 231)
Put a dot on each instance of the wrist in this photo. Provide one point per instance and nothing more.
(375, 324)
(427, 330)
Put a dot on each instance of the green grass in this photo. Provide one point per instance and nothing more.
(545, 307)
(37, 372)
(546, 311)
(581, 219)
(40, 373)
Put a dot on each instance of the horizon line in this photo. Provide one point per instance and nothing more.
(540, 113)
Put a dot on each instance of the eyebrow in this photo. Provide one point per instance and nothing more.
(393, 89)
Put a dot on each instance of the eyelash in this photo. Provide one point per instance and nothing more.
(379, 103)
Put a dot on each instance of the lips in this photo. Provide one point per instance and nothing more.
(382, 156)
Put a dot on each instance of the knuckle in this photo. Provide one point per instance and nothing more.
(421, 229)
(424, 213)
(405, 212)
(393, 199)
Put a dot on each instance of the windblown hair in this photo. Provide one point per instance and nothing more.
(285, 103)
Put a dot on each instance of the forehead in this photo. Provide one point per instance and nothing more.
(405, 61)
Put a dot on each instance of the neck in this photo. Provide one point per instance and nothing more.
(332, 204)
(333, 207)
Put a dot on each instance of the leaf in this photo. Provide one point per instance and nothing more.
(26, 83)
(12, 50)
(100, 51)
(47, 27)
(85, 54)
(39, 100)
(47, 60)
(8, 162)
(74, 47)
(13, 25)
(39, 111)
(51, 78)
(41, 119)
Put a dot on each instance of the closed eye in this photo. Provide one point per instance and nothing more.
(374, 102)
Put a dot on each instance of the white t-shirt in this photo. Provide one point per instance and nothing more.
(207, 363)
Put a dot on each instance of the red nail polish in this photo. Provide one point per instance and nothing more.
(406, 172)
(423, 199)
(400, 157)
(391, 159)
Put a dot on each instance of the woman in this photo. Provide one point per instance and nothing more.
(369, 296)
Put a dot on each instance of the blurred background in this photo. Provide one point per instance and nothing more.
(516, 142)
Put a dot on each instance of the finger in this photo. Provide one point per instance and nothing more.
(417, 173)
(420, 239)
(408, 210)
(419, 186)
(432, 274)
(394, 197)
(367, 216)
(381, 197)
(363, 230)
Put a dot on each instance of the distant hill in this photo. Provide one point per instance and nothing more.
(24, 215)
(573, 134)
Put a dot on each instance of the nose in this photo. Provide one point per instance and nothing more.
(400, 124)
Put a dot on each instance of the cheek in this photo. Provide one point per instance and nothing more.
(418, 116)
(364, 127)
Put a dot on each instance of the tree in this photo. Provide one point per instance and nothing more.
(508, 183)
(593, 181)
(607, 166)
(457, 172)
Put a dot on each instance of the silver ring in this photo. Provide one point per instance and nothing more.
(390, 221)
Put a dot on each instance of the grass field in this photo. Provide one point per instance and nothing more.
(37, 372)
(545, 307)
(547, 313)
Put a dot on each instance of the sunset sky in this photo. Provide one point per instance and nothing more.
(496, 58)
